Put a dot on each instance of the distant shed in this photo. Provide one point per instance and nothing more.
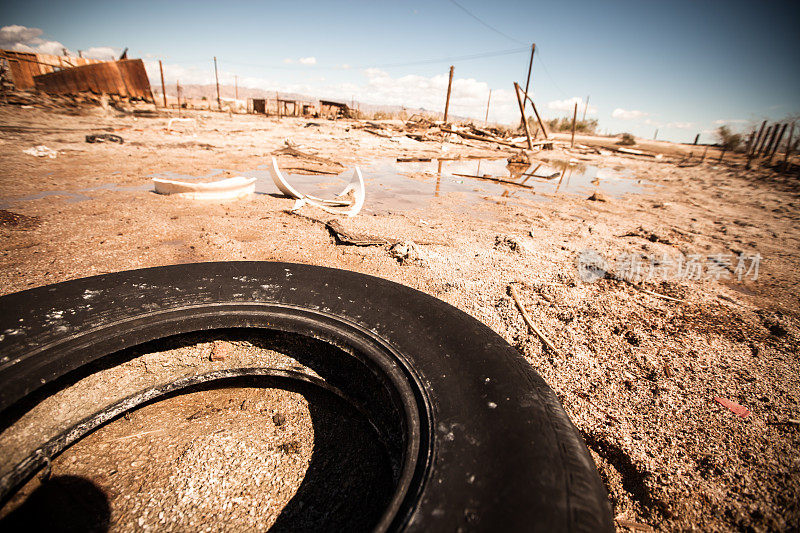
(330, 108)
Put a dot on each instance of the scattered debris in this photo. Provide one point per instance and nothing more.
(648, 235)
(508, 242)
(343, 236)
(519, 158)
(597, 196)
(405, 252)
(182, 121)
(228, 189)
(9, 218)
(355, 190)
(735, 408)
(290, 447)
(103, 137)
(636, 526)
(41, 151)
(489, 177)
(413, 159)
(513, 291)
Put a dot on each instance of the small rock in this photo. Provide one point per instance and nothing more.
(520, 158)
(508, 242)
(405, 251)
(290, 447)
(279, 419)
(597, 196)
(220, 351)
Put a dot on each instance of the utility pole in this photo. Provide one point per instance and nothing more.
(530, 70)
(163, 90)
(178, 95)
(585, 107)
(449, 86)
(486, 120)
(216, 75)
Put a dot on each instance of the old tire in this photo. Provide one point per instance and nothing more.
(485, 443)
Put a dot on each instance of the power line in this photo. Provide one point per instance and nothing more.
(539, 54)
(468, 12)
(451, 59)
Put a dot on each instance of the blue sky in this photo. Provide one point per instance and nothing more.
(681, 66)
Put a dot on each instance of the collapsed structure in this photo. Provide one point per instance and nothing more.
(51, 74)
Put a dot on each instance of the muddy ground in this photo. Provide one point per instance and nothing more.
(636, 365)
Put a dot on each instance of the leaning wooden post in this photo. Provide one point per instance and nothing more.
(522, 112)
(447, 101)
(489, 101)
(696, 138)
(758, 138)
(538, 118)
(163, 90)
(574, 117)
(216, 75)
(766, 141)
(768, 148)
(788, 148)
(178, 95)
(777, 143)
(749, 149)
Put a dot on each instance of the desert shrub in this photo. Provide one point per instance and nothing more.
(727, 139)
(564, 124)
(627, 140)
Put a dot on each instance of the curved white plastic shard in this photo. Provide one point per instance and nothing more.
(355, 186)
(227, 189)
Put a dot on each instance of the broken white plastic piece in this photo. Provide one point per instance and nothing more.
(355, 186)
(41, 151)
(228, 189)
(181, 120)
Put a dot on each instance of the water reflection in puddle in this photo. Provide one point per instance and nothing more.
(398, 186)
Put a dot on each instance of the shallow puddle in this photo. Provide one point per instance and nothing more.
(398, 186)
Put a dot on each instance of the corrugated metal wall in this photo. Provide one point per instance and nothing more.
(24, 65)
(124, 78)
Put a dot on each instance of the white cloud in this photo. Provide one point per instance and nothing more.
(371, 86)
(303, 60)
(730, 121)
(10, 35)
(24, 39)
(681, 125)
(101, 52)
(627, 115)
(569, 105)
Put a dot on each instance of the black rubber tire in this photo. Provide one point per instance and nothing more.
(492, 447)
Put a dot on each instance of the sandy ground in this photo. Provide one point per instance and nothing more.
(637, 370)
